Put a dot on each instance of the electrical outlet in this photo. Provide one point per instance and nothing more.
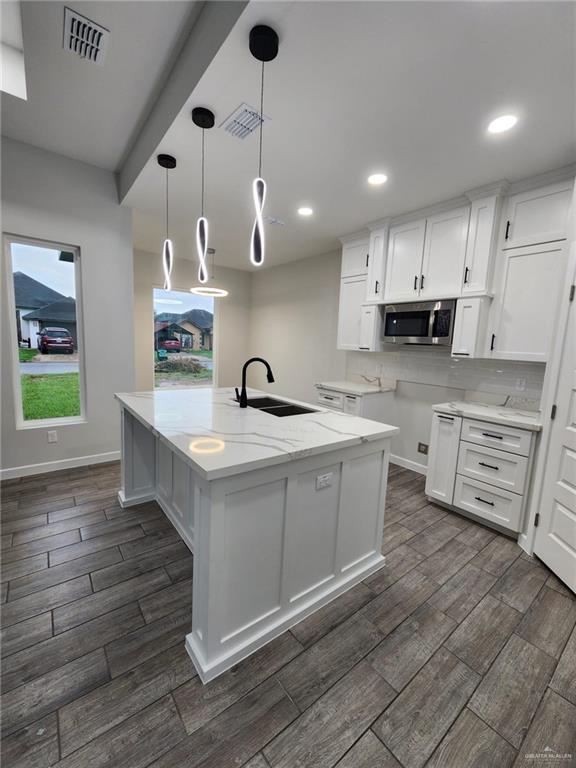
(52, 436)
(324, 481)
(521, 384)
(423, 448)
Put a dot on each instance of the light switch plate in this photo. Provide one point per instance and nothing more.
(52, 436)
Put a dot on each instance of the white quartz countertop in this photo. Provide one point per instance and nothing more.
(497, 414)
(208, 428)
(356, 388)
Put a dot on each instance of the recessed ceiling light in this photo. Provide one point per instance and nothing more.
(377, 178)
(502, 123)
(305, 211)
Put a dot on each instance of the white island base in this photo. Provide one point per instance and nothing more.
(271, 545)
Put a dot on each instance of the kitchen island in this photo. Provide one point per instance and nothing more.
(282, 514)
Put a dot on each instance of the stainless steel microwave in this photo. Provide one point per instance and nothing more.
(425, 322)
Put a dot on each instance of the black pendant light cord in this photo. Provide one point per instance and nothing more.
(261, 122)
(167, 230)
(202, 204)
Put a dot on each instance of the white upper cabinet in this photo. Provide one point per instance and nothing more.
(469, 326)
(444, 254)
(525, 304)
(404, 261)
(377, 264)
(352, 292)
(370, 326)
(538, 216)
(355, 258)
(481, 245)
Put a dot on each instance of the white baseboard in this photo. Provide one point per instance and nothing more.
(54, 466)
(408, 464)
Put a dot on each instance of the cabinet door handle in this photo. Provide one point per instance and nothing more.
(479, 498)
(367, 349)
(466, 271)
(367, 258)
(448, 418)
(495, 437)
(377, 287)
(421, 282)
(327, 397)
(415, 282)
(492, 342)
(460, 354)
(490, 466)
(507, 230)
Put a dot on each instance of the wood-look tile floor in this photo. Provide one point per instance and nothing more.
(460, 652)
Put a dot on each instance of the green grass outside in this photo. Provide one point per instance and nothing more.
(27, 354)
(207, 353)
(50, 396)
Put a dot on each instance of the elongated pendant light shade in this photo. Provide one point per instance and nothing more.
(258, 242)
(264, 47)
(167, 261)
(202, 248)
(168, 163)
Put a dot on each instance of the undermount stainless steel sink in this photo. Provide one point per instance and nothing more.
(277, 407)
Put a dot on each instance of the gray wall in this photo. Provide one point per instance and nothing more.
(50, 197)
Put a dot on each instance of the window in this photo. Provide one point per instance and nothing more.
(183, 339)
(46, 331)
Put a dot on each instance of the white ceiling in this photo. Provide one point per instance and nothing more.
(401, 87)
(83, 110)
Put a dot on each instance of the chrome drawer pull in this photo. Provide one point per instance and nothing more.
(479, 498)
(496, 437)
(490, 466)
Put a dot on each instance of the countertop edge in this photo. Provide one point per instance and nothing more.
(494, 418)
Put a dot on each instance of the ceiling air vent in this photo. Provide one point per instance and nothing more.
(243, 121)
(84, 38)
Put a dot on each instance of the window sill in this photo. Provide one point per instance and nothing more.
(66, 421)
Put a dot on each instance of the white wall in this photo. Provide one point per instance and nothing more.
(293, 325)
(231, 316)
(50, 197)
(426, 376)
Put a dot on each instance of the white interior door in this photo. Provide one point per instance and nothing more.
(555, 541)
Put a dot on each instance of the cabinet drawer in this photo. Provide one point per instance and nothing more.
(488, 502)
(353, 404)
(498, 436)
(499, 468)
(331, 399)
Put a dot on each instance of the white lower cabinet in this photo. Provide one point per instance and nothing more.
(368, 405)
(492, 504)
(443, 452)
(480, 467)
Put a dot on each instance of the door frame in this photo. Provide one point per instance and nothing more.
(549, 395)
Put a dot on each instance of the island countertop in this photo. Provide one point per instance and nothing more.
(207, 427)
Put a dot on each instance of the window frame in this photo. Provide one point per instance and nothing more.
(20, 422)
(176, 289)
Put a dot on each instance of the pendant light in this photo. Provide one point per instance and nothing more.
(264, 47)
(168, 163)
(204, 119)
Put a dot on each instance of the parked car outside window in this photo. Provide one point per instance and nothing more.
(170, 345)
(55, 340)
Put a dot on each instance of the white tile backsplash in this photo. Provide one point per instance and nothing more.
(435, 367)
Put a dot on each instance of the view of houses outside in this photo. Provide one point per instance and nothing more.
(183, 328)
(46, 329)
